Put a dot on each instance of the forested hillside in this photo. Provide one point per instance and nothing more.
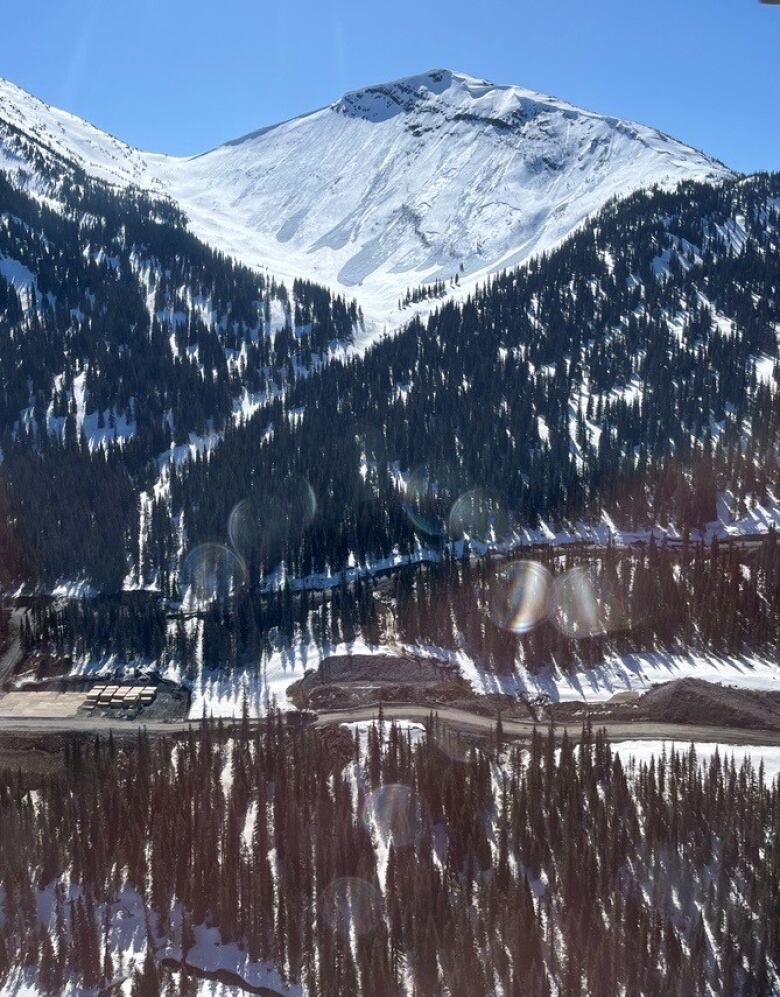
(389, 527)
(718, 600)
(121, 337)
(451, 873)
(629, 372)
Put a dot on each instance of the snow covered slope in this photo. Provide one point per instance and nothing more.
(33, 134)
(391, 186)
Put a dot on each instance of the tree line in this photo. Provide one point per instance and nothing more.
(616, 374)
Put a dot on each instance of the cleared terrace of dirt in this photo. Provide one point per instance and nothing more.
(40, 704)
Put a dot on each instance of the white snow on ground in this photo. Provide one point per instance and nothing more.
(209, 954)
(424, 178)
(220, 694)
(629, 672)
(360, 729)
(765, 366)
(758, 518)
(73, 589)
(80, 397)
(97, 435)
(223, 694)
(196, 445)
(67, 136)
(643, 751)
(17, 274)
(128, 940)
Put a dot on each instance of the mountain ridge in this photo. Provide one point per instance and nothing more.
(392, 186)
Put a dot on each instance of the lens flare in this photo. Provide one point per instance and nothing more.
(300, 504)
(210, 573)
(450, 743)
(246, 526)
(520, 596)
(588, 604)
(260, 527)
(390, 809)
(428, 497)
(480, 516)
(350, 904)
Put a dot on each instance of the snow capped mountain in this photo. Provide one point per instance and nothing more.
(389, 187)
(33, 133)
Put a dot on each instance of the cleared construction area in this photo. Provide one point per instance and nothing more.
(40, 704)
(54, 704)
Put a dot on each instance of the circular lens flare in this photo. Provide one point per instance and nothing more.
(588, 604)
(390, 809)
(210, 573)
(300, 504)
(245, 526)
(520, 596)
(349, 904)
(450, 743)
(428, 496)
(261, 526)
(480, 516)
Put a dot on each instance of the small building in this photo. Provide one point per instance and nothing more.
(107, 694)
(118, 699)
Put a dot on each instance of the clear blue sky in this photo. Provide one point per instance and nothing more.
(182, 76)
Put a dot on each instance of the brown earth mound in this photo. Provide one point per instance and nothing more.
(683, 701)
(362, 679)
(693, 701)
(384, 668)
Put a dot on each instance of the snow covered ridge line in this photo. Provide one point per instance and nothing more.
(390, 187)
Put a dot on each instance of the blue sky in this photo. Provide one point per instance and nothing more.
(182, 76)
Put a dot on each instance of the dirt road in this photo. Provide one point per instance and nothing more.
(643, 731)
(456, 719)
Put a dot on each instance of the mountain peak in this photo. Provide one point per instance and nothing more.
(437, 88)
(433, 81)
(420, 179)
(451, 93)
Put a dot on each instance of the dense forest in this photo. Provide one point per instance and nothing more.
(502, 872)
(719, 599)
(629, 372)
(617, 374)
(211, 481)
(121, 337)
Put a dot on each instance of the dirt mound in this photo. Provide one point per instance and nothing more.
(324, 698)
(384, 668)
(361, 679)
(692, 701)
